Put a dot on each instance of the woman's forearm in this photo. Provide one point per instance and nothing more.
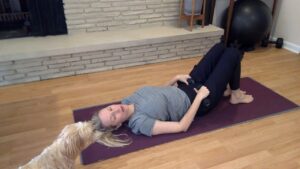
(172, 82)
(189, 116)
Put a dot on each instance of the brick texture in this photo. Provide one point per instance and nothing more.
(105, 15)
(28, 70)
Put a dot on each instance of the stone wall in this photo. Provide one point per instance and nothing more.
(105, 15)
(28, 70)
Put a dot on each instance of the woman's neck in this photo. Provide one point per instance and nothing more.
(131, 110)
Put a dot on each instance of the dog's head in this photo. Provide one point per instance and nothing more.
(75, 137)
(79, 135)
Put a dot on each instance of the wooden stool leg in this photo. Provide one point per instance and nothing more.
(180, 13)
(192, 16)
(191, 23)
(203, 15)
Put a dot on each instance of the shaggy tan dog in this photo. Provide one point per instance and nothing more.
(62, 153)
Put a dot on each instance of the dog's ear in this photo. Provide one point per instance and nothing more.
(85, 130)
(71, 142)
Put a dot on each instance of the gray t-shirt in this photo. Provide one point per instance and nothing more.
(166, 103)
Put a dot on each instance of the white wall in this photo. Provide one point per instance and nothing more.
(286, 22)
(220, 8)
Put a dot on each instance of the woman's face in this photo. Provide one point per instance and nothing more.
(114, 115)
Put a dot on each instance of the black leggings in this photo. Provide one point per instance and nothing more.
(219, 67)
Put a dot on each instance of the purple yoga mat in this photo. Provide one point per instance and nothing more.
(266, 102)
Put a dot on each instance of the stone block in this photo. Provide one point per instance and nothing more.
(44, 72)
(57, 75)
(92, 70)
(14, 76)
(21, 80)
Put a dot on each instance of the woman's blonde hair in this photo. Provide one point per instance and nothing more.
(107, 137)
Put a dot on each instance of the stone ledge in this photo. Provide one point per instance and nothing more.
(35, 47)
(36, 64)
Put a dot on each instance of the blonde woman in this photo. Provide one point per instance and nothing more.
(172, 108)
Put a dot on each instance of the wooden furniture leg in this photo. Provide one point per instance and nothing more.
(203, 13)
(192, 16)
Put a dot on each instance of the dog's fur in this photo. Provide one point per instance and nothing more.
(62, 153)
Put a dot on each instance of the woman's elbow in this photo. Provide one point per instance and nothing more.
(184, 128)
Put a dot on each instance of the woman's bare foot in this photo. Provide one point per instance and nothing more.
(228, 92)
(239, 96)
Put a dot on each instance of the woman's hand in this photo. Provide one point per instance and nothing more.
(183, 78)
(202, 93)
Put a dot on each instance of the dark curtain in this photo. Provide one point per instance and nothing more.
(47, 17)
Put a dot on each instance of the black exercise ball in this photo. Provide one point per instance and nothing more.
(251, 21)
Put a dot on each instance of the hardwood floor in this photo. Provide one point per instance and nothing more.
(32, 115)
